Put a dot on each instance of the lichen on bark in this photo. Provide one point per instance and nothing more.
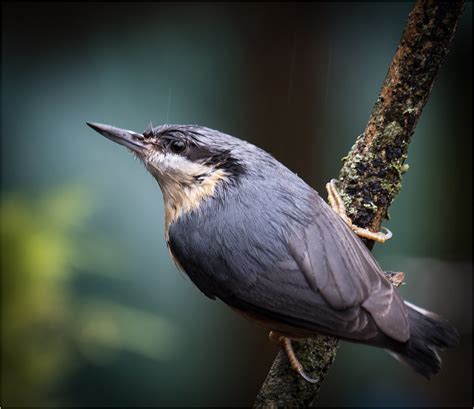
(371, 175)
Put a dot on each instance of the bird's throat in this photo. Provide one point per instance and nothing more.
(180, 199)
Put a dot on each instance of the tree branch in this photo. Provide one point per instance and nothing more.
(371, 175)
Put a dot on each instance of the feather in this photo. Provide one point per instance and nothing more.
(335, 261)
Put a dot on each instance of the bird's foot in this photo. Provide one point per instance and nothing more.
(395, 277)
(285, 343)
(337, 205)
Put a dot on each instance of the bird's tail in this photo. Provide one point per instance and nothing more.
(429, 333)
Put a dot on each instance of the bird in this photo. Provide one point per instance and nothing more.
(251, 233)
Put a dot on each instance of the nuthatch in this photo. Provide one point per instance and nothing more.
(248, 231)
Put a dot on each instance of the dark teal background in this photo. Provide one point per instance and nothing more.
(94, 313)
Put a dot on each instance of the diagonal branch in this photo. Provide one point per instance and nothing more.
(371, 175)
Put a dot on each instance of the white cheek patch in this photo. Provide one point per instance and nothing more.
(175, 167)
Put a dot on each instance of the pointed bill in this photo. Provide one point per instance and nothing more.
(132, 140)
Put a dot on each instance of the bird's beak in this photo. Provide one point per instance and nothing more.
(130, 139)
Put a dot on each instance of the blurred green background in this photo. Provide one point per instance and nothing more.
(94, 313)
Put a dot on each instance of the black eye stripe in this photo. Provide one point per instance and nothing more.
(195, 151)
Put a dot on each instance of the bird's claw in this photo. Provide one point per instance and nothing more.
(285, 343)
(306, 377)
(338, 206)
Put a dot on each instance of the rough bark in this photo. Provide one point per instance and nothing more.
(372, 171)
(371, 176)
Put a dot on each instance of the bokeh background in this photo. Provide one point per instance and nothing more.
(94, 313)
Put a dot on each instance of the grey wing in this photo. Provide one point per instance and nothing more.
(337, 264)
(329, 283)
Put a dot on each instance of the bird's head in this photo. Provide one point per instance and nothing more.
(189, 162)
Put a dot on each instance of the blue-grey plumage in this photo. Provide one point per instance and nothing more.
(250, 232)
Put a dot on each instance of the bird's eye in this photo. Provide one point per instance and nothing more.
(177, 146)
